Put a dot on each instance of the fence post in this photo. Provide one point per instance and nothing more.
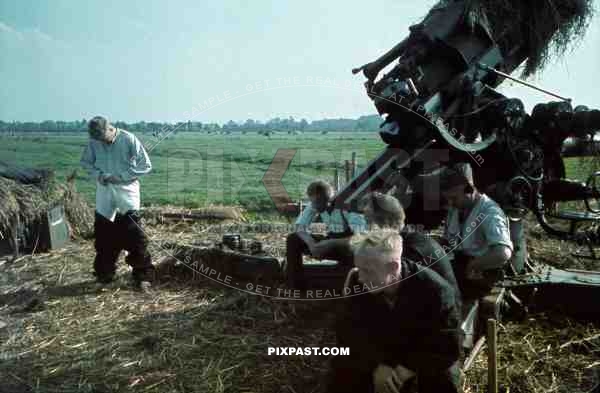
(347, 171)
(492, 356)
(336, 179)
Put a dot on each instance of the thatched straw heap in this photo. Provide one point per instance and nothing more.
(30, 202)
(546, 27)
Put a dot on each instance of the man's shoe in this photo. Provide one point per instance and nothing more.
(104, 279)
(144, 286)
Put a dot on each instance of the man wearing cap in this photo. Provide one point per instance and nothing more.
(476, 229)
(116, 159)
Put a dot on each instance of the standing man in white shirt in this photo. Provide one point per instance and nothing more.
(116, 159)
(476, 229)
(341, 225)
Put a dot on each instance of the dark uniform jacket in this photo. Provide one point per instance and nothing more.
(421, 332)
(428, 252)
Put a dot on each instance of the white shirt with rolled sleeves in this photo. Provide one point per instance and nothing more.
(333, 221)
(125, 158)
(486, 226)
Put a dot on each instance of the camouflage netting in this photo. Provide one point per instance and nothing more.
(547, 27)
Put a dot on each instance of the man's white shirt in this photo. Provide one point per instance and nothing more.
(486, 226)
(333, 220)
(125, 158)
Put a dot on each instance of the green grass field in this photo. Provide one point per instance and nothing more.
(195, 170)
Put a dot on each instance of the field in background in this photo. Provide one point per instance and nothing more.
(194, 170)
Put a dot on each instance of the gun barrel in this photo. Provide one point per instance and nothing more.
(370, 70)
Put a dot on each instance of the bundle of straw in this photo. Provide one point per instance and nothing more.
(545, 28)
(30, 202)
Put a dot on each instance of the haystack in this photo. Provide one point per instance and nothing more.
(29, 194)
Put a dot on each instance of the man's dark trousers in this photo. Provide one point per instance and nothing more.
(296, 248)
(474, 289)
(125, 233)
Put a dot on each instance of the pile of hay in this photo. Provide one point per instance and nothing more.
(197, 336)
(30, 202)
(212, 213)
(545, 353)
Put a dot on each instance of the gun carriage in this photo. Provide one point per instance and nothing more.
(440, 105)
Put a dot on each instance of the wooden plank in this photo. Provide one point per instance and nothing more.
(474, 352)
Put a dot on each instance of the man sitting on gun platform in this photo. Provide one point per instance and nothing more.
(476, 230)
(341, 225)
(404, 331)
(385, 211)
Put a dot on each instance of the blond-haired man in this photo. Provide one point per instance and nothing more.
(404, 331)
(384, 211)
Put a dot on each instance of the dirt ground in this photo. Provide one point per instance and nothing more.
(62, 332)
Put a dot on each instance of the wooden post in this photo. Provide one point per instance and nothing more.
(336, 179)
(353, 172)
(492, 356)
(347, 170)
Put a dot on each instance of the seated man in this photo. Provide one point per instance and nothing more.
(385, 211)
(406, 327)
(341, 225)
(476, 230)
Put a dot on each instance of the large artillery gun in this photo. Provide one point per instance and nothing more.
(437, 94)
(440, 106)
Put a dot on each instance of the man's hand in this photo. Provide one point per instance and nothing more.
(102, 179)
(403, 374)
(495, 258)
(390, 380)
(113, 179)
(108, 178)
(472, 272)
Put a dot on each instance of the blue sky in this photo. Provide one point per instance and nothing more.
(156, 60)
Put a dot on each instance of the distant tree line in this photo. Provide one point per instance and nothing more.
(289, 125)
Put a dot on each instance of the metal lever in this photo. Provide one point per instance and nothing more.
(500, 73)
